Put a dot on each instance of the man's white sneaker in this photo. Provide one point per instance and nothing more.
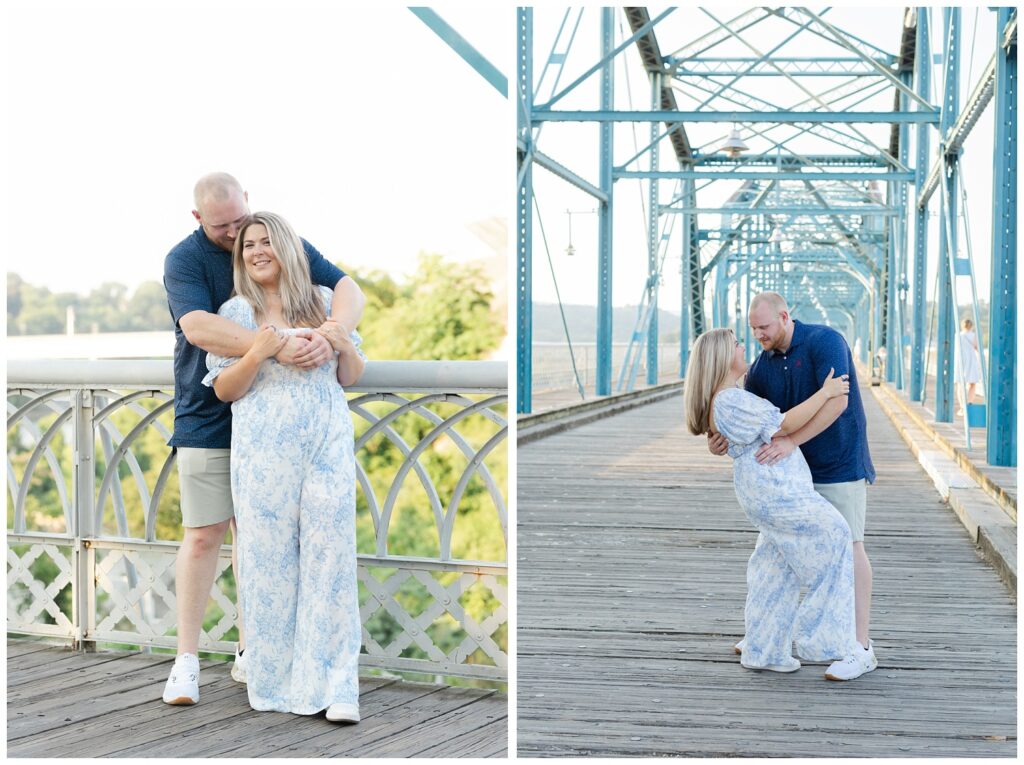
(238, 668)
(860, 662)
(345, 713)
(183, 684)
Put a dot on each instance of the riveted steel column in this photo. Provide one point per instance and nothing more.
(524, 217)
(900, 226)
(604, 215)
(919, 295)
(1001, 396)
(685, 309)
(653, 241)
(947, 319)
(84, 478)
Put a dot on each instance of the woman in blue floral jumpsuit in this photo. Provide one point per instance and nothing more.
(804, 541)
(293, 483)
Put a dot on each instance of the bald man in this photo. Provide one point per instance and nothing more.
(795, 361)
(198, 279)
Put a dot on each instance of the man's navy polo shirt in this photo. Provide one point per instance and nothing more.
(198, 277)
(840, 452)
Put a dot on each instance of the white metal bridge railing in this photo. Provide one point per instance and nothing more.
(92, 487)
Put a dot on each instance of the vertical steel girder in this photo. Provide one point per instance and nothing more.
(1001, 396)
(653, 239)
(690, 243)
(604, 214)
(919, 295)
(524, 229)
(947, 318)
(899, 360)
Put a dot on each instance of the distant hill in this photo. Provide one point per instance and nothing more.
(582, 321)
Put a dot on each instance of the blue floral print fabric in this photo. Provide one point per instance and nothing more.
(293, 484)
(803, 541)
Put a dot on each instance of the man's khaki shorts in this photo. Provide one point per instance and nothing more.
(851, 500)
(205, 479)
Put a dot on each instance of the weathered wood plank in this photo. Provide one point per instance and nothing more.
(110, 706)
(631, 581)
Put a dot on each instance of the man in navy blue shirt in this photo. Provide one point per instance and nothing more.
(198, 279)
(796, 360)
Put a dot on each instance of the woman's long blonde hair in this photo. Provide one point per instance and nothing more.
(301, 302)
(709, 365)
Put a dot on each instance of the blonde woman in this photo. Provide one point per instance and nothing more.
(292, 482)
(804, 541)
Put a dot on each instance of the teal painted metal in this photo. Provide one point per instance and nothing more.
(524, 212)
(753, 175)
(603, 377)
(743, 117)
(460, 45)
(922, 80)
(653, 240)
(1001, 436)
(947, 319)
(686, 273)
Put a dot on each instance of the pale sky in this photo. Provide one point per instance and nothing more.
(576, 144)
(356, 123)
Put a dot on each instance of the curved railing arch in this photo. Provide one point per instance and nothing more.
(122, 586)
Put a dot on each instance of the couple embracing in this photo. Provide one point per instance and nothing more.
(265, 342)
(808, 503)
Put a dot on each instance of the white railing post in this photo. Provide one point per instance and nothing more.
(84, 480)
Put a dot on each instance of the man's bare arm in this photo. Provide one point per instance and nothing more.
(348, 303)
(215, 334)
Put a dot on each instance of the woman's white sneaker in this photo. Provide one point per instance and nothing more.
(183, 684)
(345, 713)
(860, 662)
(792, 665)
(238, 667)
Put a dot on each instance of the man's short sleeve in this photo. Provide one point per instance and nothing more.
(830, 351)
(186, 286)
(321, 270)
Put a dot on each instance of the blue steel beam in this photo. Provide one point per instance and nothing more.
(609, 115)
(653, 240)
(566, 174)
(524, 213)
(947, 319)
(867, 210)
(603, 377)
(1001, 396)
(791, 160)
(461, 46)
(753, 175)
(922, 81)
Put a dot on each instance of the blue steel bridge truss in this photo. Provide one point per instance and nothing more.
(822, 208)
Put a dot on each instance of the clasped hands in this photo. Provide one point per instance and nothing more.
(769, 454)
(307, 349)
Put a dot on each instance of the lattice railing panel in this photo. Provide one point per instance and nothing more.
(88, 466)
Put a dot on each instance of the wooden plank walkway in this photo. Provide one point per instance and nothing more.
(631, 562)
(65, 704)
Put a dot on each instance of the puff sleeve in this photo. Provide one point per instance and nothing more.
(744, 418)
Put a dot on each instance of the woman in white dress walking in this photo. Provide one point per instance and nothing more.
(968, 371)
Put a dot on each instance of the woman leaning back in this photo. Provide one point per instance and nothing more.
(803, 539)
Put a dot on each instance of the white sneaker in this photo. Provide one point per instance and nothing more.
(860, 662)
(183, 684)
(238, 668)
(348, 713)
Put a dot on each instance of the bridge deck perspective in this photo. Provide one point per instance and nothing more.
(632, 553)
